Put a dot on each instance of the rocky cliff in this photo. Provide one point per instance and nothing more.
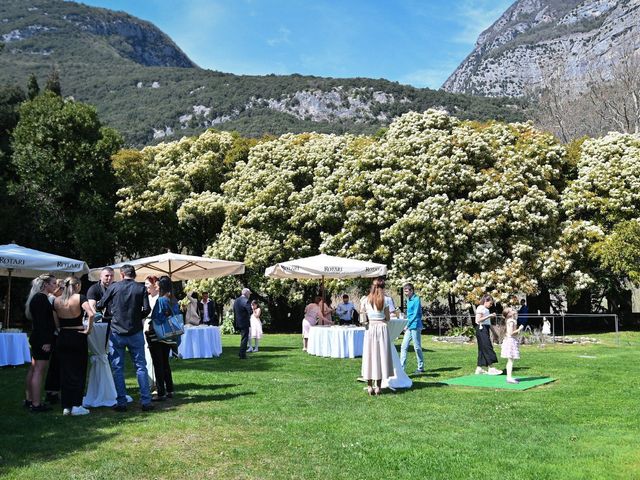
(143, 85)
(534, 40)
(61, 24)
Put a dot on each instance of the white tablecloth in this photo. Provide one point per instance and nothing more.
(200, 342)
(14, 349)
(400, 379)
(336, 341)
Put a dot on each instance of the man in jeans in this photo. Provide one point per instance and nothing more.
(128, 304)
(413, 330)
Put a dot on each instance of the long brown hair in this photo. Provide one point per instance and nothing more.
(376, 294)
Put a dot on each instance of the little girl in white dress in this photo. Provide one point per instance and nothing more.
(510, 349)
(255, 328)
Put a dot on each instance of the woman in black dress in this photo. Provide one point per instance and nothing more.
(38, 310)
(73, 349)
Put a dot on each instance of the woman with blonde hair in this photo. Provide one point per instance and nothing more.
(38, 310)
(377, 363)
(71, 307)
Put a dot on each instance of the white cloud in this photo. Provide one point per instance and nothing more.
(429, 77)
(475, 16)
(281, 38)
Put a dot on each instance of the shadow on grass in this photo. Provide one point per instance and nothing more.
(445, 369)
(529, 379)
(30, 438)
(229, 362)
(186, 398)
(419, 386)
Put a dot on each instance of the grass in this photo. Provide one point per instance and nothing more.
(285, 414)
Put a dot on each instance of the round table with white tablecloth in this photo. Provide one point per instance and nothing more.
(400, 378)
(335, 341)
(14, 349)
(200, 342)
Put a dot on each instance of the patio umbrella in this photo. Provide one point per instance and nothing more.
(177, 267)
(17, 261)
(325, 266)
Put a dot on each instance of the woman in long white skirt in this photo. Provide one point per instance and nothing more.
(377, 363)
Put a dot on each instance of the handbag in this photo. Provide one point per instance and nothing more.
(171, 328)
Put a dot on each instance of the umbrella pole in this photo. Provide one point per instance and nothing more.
(322, 300)
(7, 308)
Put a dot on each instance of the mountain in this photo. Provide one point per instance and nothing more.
(571, 41)
(143, 84)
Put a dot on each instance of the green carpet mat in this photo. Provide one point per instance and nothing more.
(498, 381)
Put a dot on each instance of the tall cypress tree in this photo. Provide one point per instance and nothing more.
(53, 82)
(33, 89)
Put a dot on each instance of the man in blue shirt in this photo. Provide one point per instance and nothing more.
(413, 330)
(344, 310)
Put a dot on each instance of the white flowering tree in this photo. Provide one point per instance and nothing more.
(170, 196)
(599, 243)
(458, 208)
(278, 205)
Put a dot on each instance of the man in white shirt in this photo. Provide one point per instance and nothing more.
(207, 310)
(345, 310)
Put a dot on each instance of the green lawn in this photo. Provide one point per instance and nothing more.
(286, 414)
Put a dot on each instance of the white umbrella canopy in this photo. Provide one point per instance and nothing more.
(176, 266)
(17, 261)
(325, 266)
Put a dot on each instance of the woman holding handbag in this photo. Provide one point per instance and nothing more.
(165, 306)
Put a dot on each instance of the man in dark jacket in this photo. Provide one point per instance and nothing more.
(129, 304)
(207, 310)
(242, 319)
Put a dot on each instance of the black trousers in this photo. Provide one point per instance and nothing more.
(73, 353)
(486, 354)
(244, 342)
(52, 383)
(160, 357)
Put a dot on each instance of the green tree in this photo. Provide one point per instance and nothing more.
(53, 82)
(33, 89)
(174, 188)
(11, 97)
(619, 252)
(601, 206)
(65, 185)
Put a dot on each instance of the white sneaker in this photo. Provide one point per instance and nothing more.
(255, 349)
(66, 411)
(495, 371)
(79, 411)
(249, 349)
(480, 371)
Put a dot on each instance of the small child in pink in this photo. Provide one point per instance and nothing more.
(510, 349)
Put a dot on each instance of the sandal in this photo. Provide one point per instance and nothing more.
(377, 391)
(370, 390)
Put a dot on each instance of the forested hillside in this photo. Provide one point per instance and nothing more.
(144, 86)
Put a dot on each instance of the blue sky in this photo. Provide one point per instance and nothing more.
(415, 42)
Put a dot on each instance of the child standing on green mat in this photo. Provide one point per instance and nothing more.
(509, 348)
